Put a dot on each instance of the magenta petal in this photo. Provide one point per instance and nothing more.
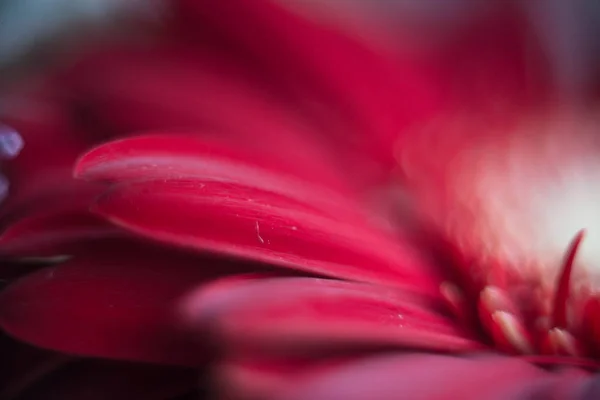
(301, 313)
(245, 221)
(114, 302)
(433, 377)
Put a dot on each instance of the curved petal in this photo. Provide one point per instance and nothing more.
(297, 314)
(240, 220)
(356, 81)
(429, 377)
(170, 88)
(114, 301)
(166, 156)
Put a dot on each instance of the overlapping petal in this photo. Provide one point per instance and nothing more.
(309, 104)
(428, 377)
(299, 315)
(259, 377)
(115, 301)
(250, 222)
(363, 88)
(133, 90)
(177, 156)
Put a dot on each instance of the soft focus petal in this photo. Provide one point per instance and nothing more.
(262, 377)
(495, 62)
(132, 90)
(39, 112)
(246, 221)
(306, 313)
(349, 80)
(429, 377)
(39, 176)
(49, 189)
(53, 233)
(115, 301)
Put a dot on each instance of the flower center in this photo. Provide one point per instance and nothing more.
(510, 199)
(550, 334)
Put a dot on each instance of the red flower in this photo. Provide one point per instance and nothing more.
(233, 228)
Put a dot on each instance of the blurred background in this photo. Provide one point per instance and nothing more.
(32, 31)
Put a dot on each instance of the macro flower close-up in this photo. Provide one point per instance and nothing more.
(301, 200)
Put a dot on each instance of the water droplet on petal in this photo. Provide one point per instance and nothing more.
(11, 143)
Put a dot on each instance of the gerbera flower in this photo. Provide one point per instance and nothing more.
(228, 222)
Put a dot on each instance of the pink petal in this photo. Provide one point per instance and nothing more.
(307, 313)
(356, 82)
(99, 380)
(115, 301)
(260, 378)
(240, 220)
(429, 377)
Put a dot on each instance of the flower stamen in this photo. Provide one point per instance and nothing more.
(561, 342)
(559, 310)
(509, 332)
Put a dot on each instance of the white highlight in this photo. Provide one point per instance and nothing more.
(535, 191)
(515, 199)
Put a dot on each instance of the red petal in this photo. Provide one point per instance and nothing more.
(181, 156)
(240, 220)
(39, 113)
(51, 233)
(429, 377)
(591, 323)
(136, 90)
(115, 301)
(309, 313)
(49, 189)
(496, 62)
(356, 82)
